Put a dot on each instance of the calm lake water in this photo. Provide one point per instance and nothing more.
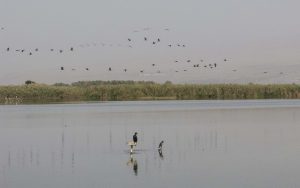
(226, 144)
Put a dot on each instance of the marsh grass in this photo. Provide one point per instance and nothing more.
(130, 90)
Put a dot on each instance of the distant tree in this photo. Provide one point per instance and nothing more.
(60, 84)
(168, 82)
(27, 82)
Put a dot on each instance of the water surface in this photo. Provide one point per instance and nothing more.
(226, 144)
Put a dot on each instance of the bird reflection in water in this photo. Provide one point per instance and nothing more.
(133, 162)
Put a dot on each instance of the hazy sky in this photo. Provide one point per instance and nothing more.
(256, 36)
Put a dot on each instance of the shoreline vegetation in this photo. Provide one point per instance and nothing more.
(33, 93)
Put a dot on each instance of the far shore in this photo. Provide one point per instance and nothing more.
(36, 93)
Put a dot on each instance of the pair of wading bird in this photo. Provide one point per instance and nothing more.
(133, 143)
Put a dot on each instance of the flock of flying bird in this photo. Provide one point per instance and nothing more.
(130, 43)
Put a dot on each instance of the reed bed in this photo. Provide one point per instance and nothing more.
(130, 90)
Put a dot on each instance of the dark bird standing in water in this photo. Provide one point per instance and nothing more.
(133, 143)
(160, 145)
(160, 149)
(135, 138)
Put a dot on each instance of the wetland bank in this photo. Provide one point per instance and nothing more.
(142, 90)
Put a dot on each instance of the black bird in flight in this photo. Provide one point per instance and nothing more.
(109, 69)
(62, 68)
(145, 38)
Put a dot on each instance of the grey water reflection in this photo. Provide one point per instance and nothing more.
(206, 145)
(134, 164)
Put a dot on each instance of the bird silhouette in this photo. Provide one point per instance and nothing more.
(62, 68)
(109, 69)
(145, 38)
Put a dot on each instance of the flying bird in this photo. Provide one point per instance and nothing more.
(62, 68)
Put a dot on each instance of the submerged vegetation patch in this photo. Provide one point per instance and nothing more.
(141, 90)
